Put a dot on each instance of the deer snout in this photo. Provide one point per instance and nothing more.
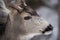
(48, 29)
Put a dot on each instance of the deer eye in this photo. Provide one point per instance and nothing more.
(27, 17)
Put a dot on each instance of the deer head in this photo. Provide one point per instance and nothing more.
(23, 22)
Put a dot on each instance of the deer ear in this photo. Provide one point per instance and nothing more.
(18, 4)
(3, 12)
(3, 7)
(23, 2)
(2, 4)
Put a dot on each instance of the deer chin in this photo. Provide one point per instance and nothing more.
(48, 33)
(29, 36)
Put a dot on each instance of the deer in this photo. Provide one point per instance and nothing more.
(22, 22)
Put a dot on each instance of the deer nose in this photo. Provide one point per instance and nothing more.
(49, 28)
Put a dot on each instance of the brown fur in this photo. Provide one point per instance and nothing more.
(20, 29)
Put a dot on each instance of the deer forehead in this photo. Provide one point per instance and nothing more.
(24, 14)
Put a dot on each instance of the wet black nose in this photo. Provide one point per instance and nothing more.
(49, 28)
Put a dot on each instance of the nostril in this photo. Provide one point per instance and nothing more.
(49, 28)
